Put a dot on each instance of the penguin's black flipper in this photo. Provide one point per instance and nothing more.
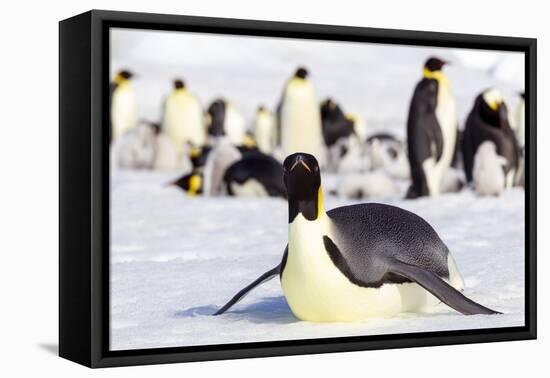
(260, 280)
(240, 295)
(439, 288)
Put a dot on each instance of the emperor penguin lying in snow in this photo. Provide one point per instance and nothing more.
(360, 261)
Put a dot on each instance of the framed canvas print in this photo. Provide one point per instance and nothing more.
(235, 188)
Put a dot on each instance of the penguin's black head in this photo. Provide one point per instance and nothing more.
(126, 74)
(301, 72)
(191, 183)
(493, 109)
(302, 180)
(434, 64)
(179, 84)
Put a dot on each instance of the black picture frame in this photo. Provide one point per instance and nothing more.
(84, 187)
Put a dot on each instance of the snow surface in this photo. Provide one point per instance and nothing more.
(176, 259)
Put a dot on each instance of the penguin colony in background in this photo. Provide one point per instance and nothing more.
(347, 264)
(435, 157)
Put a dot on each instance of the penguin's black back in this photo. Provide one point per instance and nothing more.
(483, 125)
(423, 133)
(368, 236)
(260, 167)
(334, 122)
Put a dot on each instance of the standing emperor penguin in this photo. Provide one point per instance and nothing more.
(123, 105)
(183, 118)
(488, 121)
(360, 261)
(299, 118)
(431, 131)
(265, 130)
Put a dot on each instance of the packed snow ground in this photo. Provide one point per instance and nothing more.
(176, 259)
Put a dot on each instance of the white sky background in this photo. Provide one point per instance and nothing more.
(373, 80)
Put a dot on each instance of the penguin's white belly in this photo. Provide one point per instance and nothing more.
(234, 125)
(446, 116)
(166, 158)
(183, 121)
(301, 123)
(316, 290)
(123, 112)
(250, 188)
(265, 133)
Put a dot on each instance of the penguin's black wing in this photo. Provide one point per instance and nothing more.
(258, 281)
(424, 136)
(422, 119)
(440, 289)
(375, 244)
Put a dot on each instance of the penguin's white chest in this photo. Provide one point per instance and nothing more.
(301, 121)
(183, 120)
(446, 116)
(265, 133)
(234, 125)
(445, 113)
(316, 290)
(123, 111)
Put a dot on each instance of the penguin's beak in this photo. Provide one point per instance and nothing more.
(302, 163)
